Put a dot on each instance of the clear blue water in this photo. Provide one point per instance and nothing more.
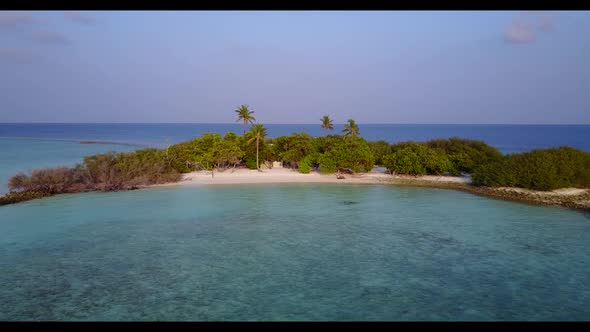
(292, 252)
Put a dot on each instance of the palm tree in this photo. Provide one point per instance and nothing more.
(258, 133)
(244, 114)
(351, 129)
(327, 123)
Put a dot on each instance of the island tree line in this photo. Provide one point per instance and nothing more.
(546, 169)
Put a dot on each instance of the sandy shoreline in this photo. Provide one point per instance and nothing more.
(282, 175)
(567, 197)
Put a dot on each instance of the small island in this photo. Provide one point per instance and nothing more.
(555, 176)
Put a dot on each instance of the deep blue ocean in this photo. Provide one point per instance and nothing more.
(507, 138)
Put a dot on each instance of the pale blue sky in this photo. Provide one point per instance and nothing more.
(294, 67)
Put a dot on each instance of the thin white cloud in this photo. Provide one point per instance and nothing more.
(80, 18)
(520, 33)
(50, 37)
(13, 19)
(546, 23)
(524, 28)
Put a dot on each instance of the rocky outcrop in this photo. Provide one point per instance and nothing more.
(569, 197)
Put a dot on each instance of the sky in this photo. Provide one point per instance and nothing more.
(462, 67)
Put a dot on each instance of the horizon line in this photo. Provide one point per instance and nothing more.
(276, 123)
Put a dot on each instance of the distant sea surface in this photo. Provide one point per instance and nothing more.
(507, 138)
(24, 146)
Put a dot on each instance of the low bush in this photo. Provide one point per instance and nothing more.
(304, 166)
(546, 169)
(465, 154)
(346, 152)
(417, 159)
(292, 149)
(101, 172)
(16, 197)
(379, 149)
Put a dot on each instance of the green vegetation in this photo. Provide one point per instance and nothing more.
(540, 169)
(327, 123)
(547, 169)
(344, 152)
(417, 159)
(258, 133)
(379, 149)
(292, 149)
(16, 197)
(351, 129)
(465, 154)
(102, 172)
(207, 152)
(245, 115)
(439, 156)
(305, 165)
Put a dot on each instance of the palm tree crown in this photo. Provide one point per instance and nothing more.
(351, 129)
(327, 122)
(245, 115)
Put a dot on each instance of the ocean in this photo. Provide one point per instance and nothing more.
(285, 252)
(507, 138)
(292, 252)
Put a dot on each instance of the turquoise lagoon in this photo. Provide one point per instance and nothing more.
(292, 252)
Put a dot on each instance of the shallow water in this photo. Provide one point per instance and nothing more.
(292, 252)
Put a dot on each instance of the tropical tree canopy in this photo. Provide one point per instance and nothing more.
(257, 131)
(327, 123)
(245, 115)
(351, 129)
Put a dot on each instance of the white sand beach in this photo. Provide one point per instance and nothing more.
(283, 175)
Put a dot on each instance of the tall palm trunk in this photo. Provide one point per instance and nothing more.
(257, 164)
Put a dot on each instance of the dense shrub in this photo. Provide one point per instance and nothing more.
(310, 161)
(265, 152)
(325, 143)
(304, 166)
(404, 161)
(292, 149)
(181, 156)
(225, 154)
(206, 152)
(103, 172)
(230, 136)
(15, 197)
(346, 152)
(250, 162)
(417, 159)
(465, 154)
(546, 169)
(379, 149)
